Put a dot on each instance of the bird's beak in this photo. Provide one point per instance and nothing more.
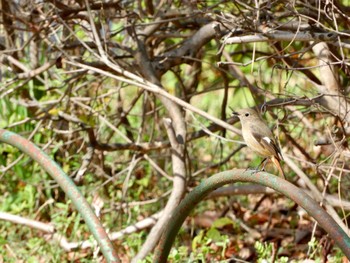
(235, 113)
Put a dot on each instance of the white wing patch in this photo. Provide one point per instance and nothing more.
(267, 139)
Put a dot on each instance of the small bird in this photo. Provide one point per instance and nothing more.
(259, 137)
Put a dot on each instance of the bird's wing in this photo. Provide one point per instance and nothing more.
(269, 143)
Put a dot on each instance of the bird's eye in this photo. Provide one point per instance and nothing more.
(247, 114)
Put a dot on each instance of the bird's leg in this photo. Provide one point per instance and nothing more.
(263, 164)
(248, 168)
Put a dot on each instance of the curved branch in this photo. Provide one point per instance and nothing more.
(266, 179)
(176, 130)
(68, 187)
(189, 47)
(247, 189)
(334, 100)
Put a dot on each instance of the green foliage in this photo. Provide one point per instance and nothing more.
(314, 247)
(201, 244)
(23, 200)
(264, 250)
(134, 242)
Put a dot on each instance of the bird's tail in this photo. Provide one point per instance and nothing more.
(278, 165)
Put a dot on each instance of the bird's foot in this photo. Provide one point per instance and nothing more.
(254, 170)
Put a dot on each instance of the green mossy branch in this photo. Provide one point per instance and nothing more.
(68, 187)
(238, 175)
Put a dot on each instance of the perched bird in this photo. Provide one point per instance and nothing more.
(259, 137)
